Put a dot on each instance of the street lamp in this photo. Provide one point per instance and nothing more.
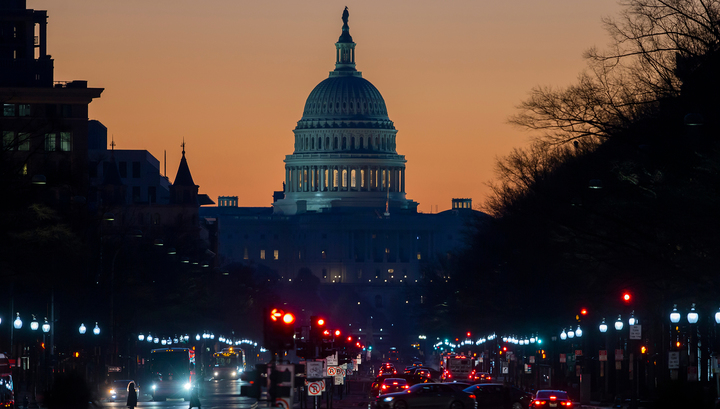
(141, 337)
(675, 315)
(692, 316)
(619, 324)
(717, 317)
(18, 322)
(82, 329)
(571, 333)
(46, 326)
(96, 330)
(603, 326)
(563, 335)
(34, 325)
(578, 332)
(632, 320)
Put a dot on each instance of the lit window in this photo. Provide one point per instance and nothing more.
(8, 139)
(276, 254)
(24, 110)
(23, 141)
(419, 256)
(65, 139)
(50, 142)
(8, 109)
(246, 256)
(262, 254)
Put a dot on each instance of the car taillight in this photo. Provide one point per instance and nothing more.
(540, 402)
(384, 386)
(566, 404)
(472, 396)
(405, 386)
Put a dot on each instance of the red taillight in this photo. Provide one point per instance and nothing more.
(553, 397)
(566, 404)
(405, 386)
(384, 386)
(472, 396)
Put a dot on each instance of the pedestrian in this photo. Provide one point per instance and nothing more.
(194, 396)
(132, 395)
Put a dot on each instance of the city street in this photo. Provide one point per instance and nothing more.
(216, 394)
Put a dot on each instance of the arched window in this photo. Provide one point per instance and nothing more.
(344, 178)
(353, 176)
(344, 143)
(361, 143)
(327, 142)
(352, 142)
(312, 143)
(335, 145)
(384, 144)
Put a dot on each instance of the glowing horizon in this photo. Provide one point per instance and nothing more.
(232, 77)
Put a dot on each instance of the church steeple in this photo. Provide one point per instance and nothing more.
(184, 190)
(345, 51)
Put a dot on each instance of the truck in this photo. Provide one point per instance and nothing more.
(456, 368)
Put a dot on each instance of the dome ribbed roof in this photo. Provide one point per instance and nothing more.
(340, 99)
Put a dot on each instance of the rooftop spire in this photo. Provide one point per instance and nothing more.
(345, 51)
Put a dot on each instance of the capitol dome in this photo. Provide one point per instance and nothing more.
(345, 144)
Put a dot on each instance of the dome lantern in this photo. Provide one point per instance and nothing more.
(345, 51)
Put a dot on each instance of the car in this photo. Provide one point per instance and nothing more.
(458, 386)
(409, 369)
(388, 385)
(426, 395)
(119, 390)
(480, 376)
(499, 396)
(386, 371)
(417, 364)
(546, 398)
(422, 372)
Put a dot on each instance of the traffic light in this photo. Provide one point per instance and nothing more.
(643, 349)
(626, 297)
(280, 331)
(278, 376)
(252, 389)
(317, 326)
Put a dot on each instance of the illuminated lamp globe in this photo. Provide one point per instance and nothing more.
(46, 326)
(619, 324)
(692, 316)
(82, 329)
(563, 335)
(34, 325)
(578, 332)
(675, 315)
(141, 337)
(603, 326)
(96, 330)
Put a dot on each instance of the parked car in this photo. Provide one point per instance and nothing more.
(499, 396)
(551, 399)
(426, 395)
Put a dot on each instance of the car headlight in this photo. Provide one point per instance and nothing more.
(233, 374)
(216, 374)
(112, 391)
(388, 399)
(188, 386)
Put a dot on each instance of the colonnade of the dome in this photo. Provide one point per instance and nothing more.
(344, 178)
(329, 142)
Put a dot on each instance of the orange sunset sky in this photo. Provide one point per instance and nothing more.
(232, 77)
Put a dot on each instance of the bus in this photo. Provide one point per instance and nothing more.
(228, 364)
(393, 355)
(172, 371)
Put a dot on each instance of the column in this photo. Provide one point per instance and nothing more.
(402, 176)
(322, 178)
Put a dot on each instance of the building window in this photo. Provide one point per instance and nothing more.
(324, 255)
(8, 109)
(66, 110)
(276, 254)
(23, 141)
(8, 140)
(24, 110)
(65, 141)
(136, 194)
(245, 254)
(422, 299)
(299, 255)
(152, 194)
(419, 256)
(122, 168)
(50, 144)
(136, 170)
(156, 219)
(359, 274)
(262, 254)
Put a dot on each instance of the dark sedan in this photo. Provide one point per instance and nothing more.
(426, 396)
(499, 396)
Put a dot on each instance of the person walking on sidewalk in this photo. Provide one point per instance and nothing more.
(195, 396)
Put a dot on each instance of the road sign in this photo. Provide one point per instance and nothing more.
(339, 379)
(619, 355)
(282, 403)
(603, 355)
(531, 359)
(578, 352)
(315, 369)
(315, 388)
(563, 358)
(674, 360)
(636, 332)
(114, 369)
(332, 359)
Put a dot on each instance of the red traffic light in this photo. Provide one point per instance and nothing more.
(326, 332)
(349, 339)
(288, 318)
(468, 334)
(583, 311)
(320, 322)
(626, 296)
(276, 314)
(337, 332)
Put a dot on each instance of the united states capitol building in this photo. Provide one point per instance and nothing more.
(344, 213)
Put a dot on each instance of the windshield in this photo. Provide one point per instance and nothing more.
(548, 394)
(173, 363)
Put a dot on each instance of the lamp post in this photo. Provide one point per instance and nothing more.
(618, 354)
(692, 319)
(603, 358)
